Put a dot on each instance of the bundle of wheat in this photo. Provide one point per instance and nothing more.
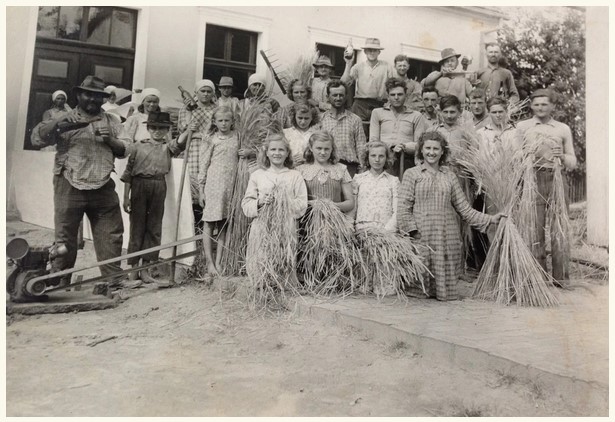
(510, 271)
(271, 253)
(252, 127)
(392, 262)
(328, 255)
(561, 227)
(301, 69)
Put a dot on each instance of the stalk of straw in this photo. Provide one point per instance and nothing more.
(510, 272)
(271, 254)
(561, 226)
(252, 128)
(329, 257)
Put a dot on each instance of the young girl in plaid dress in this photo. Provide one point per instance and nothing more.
(430, 198)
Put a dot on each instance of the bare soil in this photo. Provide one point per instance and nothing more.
(195, 351)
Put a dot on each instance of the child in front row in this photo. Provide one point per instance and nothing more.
(217, 172)
(276, 170)
(145, 189)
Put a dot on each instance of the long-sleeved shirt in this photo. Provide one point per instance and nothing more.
(148, 158)
(405, 127)
(319, 92)
(134, 129)
(347, 131)
(376, 204)
(262, 182)
(82, 156)
(492, 79)
(457, 85)
(370, 81)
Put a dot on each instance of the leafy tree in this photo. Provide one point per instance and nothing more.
(545, 48)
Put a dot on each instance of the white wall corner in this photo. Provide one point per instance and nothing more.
(420, 53)
(141, 43)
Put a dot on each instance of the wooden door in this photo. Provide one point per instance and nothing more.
(62, 66)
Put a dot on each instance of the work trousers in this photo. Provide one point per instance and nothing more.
(560, 247)
(102, 207)
(363, 108)
(147, 197)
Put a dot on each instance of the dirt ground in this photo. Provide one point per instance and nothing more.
(189, 352)
(194, 351)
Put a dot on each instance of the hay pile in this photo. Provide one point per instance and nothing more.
(510, 272)
(271, 253)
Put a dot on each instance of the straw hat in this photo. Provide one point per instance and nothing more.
(372, 43)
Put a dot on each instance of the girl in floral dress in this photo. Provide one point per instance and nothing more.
(375, 190)
(216, 177)
(430, 198)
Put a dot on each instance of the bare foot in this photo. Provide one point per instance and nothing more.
(212, 270)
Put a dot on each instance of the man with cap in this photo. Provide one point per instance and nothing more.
(145, 187)
(87, 145)
(226, 91)
(323, 69)
(198, 122)
(494, 79)
(370, 77)
(445, 81)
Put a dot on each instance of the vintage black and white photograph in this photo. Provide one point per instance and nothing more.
(307, 211)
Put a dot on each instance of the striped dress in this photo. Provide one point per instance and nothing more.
(430, 202)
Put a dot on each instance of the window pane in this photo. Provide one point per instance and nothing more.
(99, 25)
(214, 42)
(52, 68)
(111, 75)
(47, 21)
(240, 46)
(69, 26)
(123, 26)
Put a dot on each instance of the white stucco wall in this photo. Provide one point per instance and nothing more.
(597, 126)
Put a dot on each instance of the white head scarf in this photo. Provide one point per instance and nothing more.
(58, 92)
(204, 82)
(149, 91)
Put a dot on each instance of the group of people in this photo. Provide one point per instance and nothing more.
(387, 162)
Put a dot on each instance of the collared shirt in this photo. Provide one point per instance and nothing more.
(376, 200)
(458, 86)
(431, 121)
(348, 134)
(494, 78)
(230, 102)
(488, 135)
(484, 121)
(395, 128)
(370, 81)
(264, 181)
(540, 138)
(82, 157)
(454, 136)
(148, 158)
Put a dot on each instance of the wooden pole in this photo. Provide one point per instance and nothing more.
(179, 202)
(401, 164)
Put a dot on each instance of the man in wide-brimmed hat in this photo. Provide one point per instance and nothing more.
(445, 81)
(87, 145)
(496, 80)
(323, 68)
(370, 77)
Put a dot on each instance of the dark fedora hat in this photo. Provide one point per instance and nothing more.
(447, 53)
(93, 84)
(159, 119)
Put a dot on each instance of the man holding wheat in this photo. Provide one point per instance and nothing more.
(551, 143)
